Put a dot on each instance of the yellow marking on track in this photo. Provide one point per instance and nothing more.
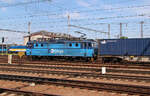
(21, 54)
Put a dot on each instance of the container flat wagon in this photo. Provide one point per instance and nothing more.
(116, 50)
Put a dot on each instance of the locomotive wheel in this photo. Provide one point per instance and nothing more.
(86, 59)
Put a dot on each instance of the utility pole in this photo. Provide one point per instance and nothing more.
(29, 30)
(108, 31)
(68, 24)
(120, 29)
(2, 44)
(142, 22)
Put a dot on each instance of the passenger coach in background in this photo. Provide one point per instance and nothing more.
(16, 49)
(3, 49)
(117, 50)
(68, 49)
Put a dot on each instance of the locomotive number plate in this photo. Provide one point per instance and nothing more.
(53, 51)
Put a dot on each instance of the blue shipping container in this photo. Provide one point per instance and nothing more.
(125, 47)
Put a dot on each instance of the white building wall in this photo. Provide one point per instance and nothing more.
(35, 37)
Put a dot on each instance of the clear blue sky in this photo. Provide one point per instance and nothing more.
(52, 16)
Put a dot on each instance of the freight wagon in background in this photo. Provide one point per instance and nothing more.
(117, 50)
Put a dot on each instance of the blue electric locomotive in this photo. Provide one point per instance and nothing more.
(62, 48)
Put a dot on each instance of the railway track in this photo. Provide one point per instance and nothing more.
(83, 67)
(80, 74)
(40, 64)
(98, 65)
(130, 89)
(14, 92)
(83, 64)
(77, 63)
(113, 70)
(49, 67)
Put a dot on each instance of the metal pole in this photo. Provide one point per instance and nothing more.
(6, 47)
(68, 24)
(42, 35)
(108, 31)
(120, 29)
(29, 30)
(142, 22)
(10, 59)
(2, 45)
(2, 48)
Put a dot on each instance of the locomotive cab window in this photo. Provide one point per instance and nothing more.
(94, 44)
(85, 45)
(89, 45)
(42, 45)
(70, 45)
(36, 45)
(30, 45)
(77, 44)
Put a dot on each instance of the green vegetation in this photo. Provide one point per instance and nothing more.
(123, 37)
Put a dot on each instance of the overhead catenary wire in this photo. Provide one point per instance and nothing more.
(10, 30)
(89, 29)
(54, 23)
(92, 10)
(22, 3)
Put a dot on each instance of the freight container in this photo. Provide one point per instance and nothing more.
(124, 47)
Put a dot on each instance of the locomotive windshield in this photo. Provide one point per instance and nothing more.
(87, 45)
(94, 44)
(29, 45)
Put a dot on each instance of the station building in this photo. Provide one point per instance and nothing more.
(45, 35)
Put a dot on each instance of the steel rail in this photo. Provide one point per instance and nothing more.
(50, 67)
(79, 74)
(83, 69)
(27, 93)
(125, 88)
(75, 67)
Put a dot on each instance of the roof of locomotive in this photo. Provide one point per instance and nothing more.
(61, 41)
